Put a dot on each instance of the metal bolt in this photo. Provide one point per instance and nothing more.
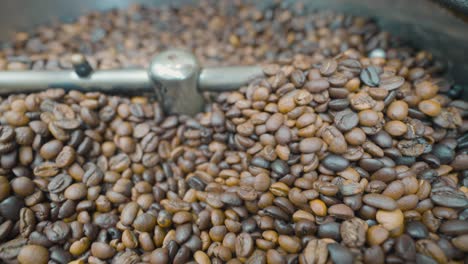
(81, 65)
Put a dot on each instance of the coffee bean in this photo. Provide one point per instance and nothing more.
(289, 244)
(417, 230)
(244, 245)
(353, 232)
(346, 120)
(144, 222)
(380, 201)
(426, 89)
(374, 254)
(370, 76)
(260, 162)
(335, 162)
(376, 235)
(10, 208)
(5, 229)
(46, 169)
(276, 212)
(102, 250)
(315, 252)
(317, 85)
(65, 157)
(443, 152)
(454, 227)
(160, 255)
(310, 145)
(273, 256)
(59, 183)
(274, 122)
(338, 104)
(33, 254)
(447, 196)
(460, 242)
(7, 134)
(58, 132)
(351, 65)
(430, 248)
(22, 186)
(328, 67)
(339, 253)
(60, 255)
(183, 233)
(57, 232)
(280, 167)
(329, 230)
(391, 83)
(68, 124)
(420, 258)
(390, 220)
(76, 191)
(341, 211)
(27, 222)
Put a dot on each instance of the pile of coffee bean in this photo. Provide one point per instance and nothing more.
(352, 149)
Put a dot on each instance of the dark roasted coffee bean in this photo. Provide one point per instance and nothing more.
(329, 230)
(182, 256)
(443, 153)
(10, 208)
(6, 227)
(196, 183)
(276, 212)
(60, 255)
(370, 76)
(260, 162)
(405, 247)
(335, 162)
(280, 167)
(338, 104)
(417, 230)
(339, 253)
(374, 254)
(183, 233)
(424, 259)
(231, 198)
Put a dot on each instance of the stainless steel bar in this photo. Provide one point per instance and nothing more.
(227, 78)
(111, 81)
(120, 81)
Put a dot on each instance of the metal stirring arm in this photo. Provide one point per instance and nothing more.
(174, 75)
